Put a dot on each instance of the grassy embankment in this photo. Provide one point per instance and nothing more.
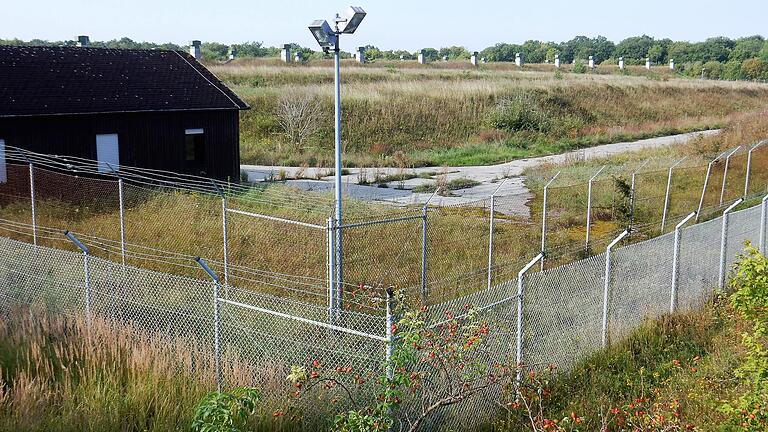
(398, 115)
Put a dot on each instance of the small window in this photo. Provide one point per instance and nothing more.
(194, 145)
(108, 153)
(3, 169)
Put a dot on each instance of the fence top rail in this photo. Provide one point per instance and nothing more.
(303, 320)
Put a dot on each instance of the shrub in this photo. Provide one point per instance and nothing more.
(750, 411)
(521, 112)
(226, 412)
(579, 67)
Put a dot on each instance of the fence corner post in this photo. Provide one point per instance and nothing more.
(520, 329)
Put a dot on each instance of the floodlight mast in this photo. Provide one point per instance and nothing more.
(329, 38)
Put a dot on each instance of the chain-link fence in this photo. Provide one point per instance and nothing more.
(557, 316)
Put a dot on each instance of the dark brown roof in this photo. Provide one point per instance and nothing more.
(71, 80)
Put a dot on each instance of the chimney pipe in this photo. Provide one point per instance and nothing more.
(83, 41)
(194, 49)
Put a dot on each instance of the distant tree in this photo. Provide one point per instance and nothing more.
(746, 48)
(455, 53)
(634, 49)
(431, 54)
(214, 50)
(657, 53)
(755, 69)
(501, 52)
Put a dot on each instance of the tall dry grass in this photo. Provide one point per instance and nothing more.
(62, 373)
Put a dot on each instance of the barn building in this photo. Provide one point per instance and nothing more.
(157, 109)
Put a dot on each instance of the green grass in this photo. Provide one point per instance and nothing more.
(435, 116)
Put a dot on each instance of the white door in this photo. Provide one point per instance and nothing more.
(3, 170)
(108, 153)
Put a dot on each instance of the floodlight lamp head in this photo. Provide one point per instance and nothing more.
(351, 19)
(323, 33)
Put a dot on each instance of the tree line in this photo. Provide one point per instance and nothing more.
(716, 58)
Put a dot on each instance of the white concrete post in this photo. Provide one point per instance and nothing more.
(591, 62)
(473, 59)
(607, 285)
(557, 61)
(361, 55)
(676, 262)
(724, 243)
(232, 52)
(194, 49)
(297, 57)
(621, 63)
(519, 60)
(648, 63)
(671, 64)
(422, 57)
(285, 53)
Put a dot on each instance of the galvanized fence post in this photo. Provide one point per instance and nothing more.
(724, 243)
(424, 248)
(725, 173)
(589, 206)
(632, 196)
(544, 220)
(390, 333)
(667, 194)
(763, 216)
(225, 229)
(121, 208)
(331, 270)
(607, 285)
(86, 275)
(32, 199)
(749, 166)
(216, 321)
(676, 262)
(706, 183)
(492, 218)
(520, 321)
(490, 240)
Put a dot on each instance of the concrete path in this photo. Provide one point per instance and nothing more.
(489, 176)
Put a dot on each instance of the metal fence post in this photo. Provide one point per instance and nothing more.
(86, 275)
(424, 248)
(725, 173)
(667, 194)
(763, 216)
(724, 243)
(121, 205)
(331, 270)
(749, 165)
(390, 334)
(520, 329)
(706, 183)
(225, 229)
(544, 220)
(216, 321)
(32, 199)
(607, 284)
(589, 206)
(490, 240)
(632, 195)
(676, 262)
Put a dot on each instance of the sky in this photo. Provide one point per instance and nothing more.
(390, 24)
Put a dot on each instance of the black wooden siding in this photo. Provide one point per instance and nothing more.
(148, 140)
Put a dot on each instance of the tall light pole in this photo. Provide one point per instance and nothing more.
(328, 39)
